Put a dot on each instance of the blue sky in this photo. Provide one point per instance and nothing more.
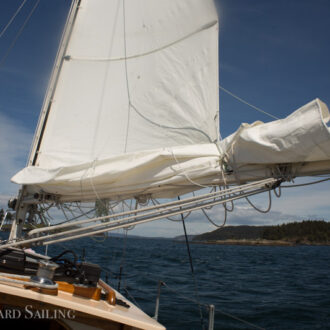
(273, 54)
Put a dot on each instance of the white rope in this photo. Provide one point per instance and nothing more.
(250, 105)
(185, 216)
(224, 159)
(12, 19)
(185, 174)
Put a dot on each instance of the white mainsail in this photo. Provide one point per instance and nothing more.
(130, 81)
(134, 110)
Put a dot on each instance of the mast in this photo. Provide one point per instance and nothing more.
(21, 207)
(47, 104)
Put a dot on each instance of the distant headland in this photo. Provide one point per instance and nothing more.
(307, 232)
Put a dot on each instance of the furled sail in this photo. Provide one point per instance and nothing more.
(134, 110)
(298, 145)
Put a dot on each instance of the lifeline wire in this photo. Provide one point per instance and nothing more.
(183, 296)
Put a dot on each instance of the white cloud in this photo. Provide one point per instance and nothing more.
(15, 142)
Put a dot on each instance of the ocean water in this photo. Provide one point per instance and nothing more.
(268, 286)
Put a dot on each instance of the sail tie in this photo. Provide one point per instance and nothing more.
(185, 174)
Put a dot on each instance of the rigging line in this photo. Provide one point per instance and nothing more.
(257, 209)
(169, 127)
(63, 212)
(192, 269)
(156, 202)
(131, 297)
(202, 28)
(306, 184)
(69, 209)
(84, 212)
(212, 222)
(279, 193)
(226, 212)
(45, 210)
(77, 217)
(227, 209)
(12, 19)
(123, 257)
(177, 292)
(185, 297)
(11, 46)
(249, 104)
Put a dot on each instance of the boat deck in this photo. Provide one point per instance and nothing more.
(77, 311)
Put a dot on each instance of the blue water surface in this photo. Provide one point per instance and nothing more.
(269, 286)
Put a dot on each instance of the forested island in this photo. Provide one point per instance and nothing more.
(307, 232)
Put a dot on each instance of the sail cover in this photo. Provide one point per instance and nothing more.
(134, 109)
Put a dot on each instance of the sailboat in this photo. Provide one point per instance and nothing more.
(132, 113)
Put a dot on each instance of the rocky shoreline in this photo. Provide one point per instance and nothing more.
(257, 242)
